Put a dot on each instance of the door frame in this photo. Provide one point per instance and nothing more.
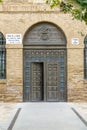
(44, 66)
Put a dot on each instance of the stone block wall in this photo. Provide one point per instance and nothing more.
(17, 19)
(14, 67)
(75, 74)
(2, 90)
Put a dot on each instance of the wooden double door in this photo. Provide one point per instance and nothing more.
(44, 81)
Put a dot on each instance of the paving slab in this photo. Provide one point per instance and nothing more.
(7, 113)
(47, 116)
(82, 109)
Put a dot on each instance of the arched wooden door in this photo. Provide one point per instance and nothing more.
(44, 63)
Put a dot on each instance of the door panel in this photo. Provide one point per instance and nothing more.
(36, 81)
(45, 75)
(52, 81)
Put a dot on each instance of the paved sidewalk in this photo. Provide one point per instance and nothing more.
(43, 116)
(81, 108)
(7, 112)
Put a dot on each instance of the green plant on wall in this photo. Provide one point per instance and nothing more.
(78, 8)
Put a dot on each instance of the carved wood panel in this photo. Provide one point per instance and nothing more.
(36, 81)
(44, 34)
(52, 81)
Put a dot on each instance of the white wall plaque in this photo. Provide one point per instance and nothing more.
(13, 39)
(75, 41)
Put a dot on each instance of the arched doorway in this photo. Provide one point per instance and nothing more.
(44, 63)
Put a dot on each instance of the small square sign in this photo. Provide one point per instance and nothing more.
(75, 41)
